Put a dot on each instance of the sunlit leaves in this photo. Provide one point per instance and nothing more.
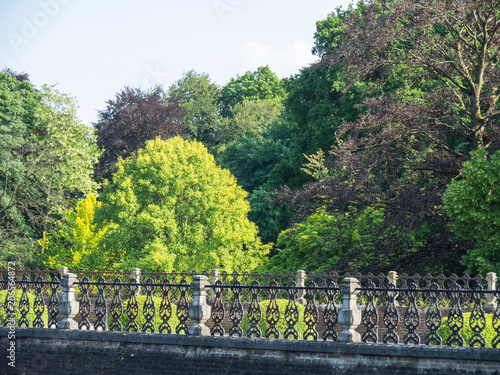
(473, 203)
(171, 207)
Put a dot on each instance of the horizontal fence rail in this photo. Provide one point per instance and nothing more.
(390, 309)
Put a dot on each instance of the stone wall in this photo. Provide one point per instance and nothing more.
(51, 351)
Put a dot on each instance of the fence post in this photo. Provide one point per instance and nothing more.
(491, 278)
(199, 311)
(68, 305)
(301, 283)
(214, 276)
(392, 277)
(349, 315)
(136, 274)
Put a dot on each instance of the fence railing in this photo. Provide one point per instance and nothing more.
(391, 309)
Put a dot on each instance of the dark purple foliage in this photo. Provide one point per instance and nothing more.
(133, 118)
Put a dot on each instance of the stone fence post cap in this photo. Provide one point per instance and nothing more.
(349, 285)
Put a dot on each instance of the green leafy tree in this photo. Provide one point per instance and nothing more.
(75, 241)
(171, 207)
(356, 240)
(248, 119)
(252, 159)
(258, 85)
(473, 204)
(46, 159)
(197, 95)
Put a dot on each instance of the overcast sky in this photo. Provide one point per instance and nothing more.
(93, 48)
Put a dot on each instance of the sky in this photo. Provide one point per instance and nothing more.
(92, 49)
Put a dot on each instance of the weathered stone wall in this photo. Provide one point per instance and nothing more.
(51, 351)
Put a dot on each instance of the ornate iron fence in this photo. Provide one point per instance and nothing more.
(459, 311)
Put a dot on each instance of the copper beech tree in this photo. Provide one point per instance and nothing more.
(133, 118)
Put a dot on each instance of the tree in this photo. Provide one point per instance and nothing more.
(132, 119)
(258, 85)
(452, 45)
(75, 241)
(171, 207)
(249, 119)
(473, 204)
(356, 240)
(252, 159)
(197, 96)
(46, 160)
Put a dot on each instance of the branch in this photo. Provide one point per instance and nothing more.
(443, 146)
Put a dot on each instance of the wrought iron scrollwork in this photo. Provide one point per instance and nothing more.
(456, 317)
(433, 317)
(370, 316)
(273, 312)
(217, 313)
(84, 309)
(311, 313)
(132, 308)
(149, 309)
(24, 304)
(495, 343)
(38, 304)
(9, 310)
(182, 308)
(291, 312)
(236, 311)
(412, 317)
(100, 307)
(53, 303)
(477, 320)
(330, 315)
(254, 312)
(116, 307)
(391, 317)
(165, 308)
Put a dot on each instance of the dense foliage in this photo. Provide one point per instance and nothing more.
(384, 155)
(171, 207)
(473, 203)
(427, 100)
(197, 95)
(129, 121)
(46, 161)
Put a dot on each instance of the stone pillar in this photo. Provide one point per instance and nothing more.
(491, 278)
(349, 315)
(136, 274)
(392, 277)
(301, 282)
(199, 311)
(214, 276)
(68, 305)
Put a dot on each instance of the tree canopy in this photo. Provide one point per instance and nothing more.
(170, 207)
(133, 118)
(257, 85)
(473, 204)
(197, 95)
(46, 160)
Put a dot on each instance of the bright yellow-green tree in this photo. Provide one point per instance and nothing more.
(170, 207)
(76, 241)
